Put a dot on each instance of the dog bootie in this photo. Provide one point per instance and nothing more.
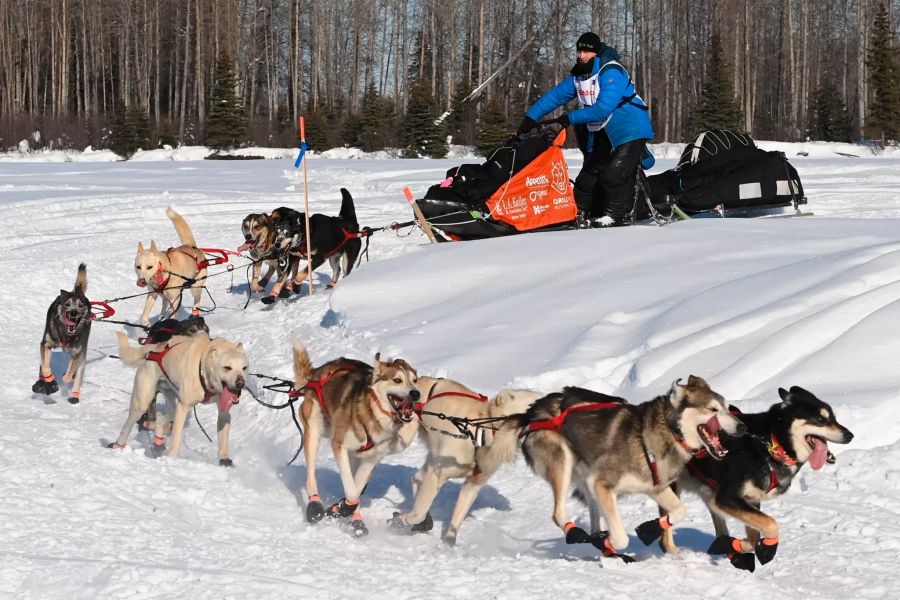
(733, 549)
(315, 510)
(600, 540)
(343, 508)
(358, 527)
(45, 385)
(766, 549)
(226, 462)
(74, 397)
(270, 299)
(577, 535)
(650, 531)
(399, 525)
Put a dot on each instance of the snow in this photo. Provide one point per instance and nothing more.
(751, 305)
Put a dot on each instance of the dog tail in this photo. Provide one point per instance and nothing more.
(81, 279)
(348, 211)
(302, 365)
(504, 446)
(184, 232)
(131, 355)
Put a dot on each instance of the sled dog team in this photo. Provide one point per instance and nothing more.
(687, 438)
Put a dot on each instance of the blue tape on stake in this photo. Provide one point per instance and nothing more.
(300, 156)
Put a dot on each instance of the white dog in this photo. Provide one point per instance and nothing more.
(194, 369)
(452, 450)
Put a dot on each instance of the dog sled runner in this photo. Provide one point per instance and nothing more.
(522, 186)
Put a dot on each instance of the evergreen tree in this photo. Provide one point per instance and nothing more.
(121, 138)
(461, 123)
(493, 129)
(884, 110)
(226, 125)
(717, 108)
(316, 131)
(377, 126)
(829, 120)
(420, 135)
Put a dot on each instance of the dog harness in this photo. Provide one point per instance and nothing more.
(419, 406)
(157, 356)
(777, 452)
(317, 387)
(348, 235)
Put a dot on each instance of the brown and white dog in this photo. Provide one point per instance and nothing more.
(167, 272)
(193, 369)
(367, 411)
(259, 242)
(456, 451)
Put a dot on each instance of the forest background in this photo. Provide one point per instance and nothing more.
(128, 74)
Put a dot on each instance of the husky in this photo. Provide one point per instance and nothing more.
(68, 326)
(368, 414)
(760, 467)
(456, 452)
(259, 241)
(194, 369)
(168, 272)
(332, 238)
(609, 447)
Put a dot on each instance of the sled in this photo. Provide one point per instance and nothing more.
(523, 186)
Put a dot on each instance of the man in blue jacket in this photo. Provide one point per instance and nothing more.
(612, 126)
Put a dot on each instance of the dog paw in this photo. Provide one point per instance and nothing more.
(74, 399)
(650, 531)
(744, 561)
(577, 535)
(114, 446)
(315, 511)
(766, 549)
(42, 386)
(285, 292)
(268, 299)
(399, 525)
(226, 462)
(343, 509)
(725, 544)
(358, 528)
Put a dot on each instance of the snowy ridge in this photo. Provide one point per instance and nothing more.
(751, 305)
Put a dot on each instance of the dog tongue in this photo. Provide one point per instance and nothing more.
(247, 246)
(226, 399)
(819, 454)
(713, 425)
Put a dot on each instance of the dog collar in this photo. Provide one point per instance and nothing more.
(778, 453)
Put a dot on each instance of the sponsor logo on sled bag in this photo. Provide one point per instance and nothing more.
(539, 195)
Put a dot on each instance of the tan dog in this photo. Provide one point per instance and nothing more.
(452, 451)
(368, 413)
(169, 271)
(194, 369)
(259, 241)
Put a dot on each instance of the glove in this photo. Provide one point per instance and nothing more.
(563, 120)
(605, 221)
(526, 125)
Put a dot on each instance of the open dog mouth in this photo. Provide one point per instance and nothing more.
(250, 245)
(709, 435)
(141, 282)
(403, 407)
(71, 323)
(819, 453)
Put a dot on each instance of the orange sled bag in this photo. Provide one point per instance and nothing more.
(539, 195)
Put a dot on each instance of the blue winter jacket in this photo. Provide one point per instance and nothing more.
(628, 122)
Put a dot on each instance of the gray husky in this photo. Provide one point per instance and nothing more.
(608, 447)
(68, 327)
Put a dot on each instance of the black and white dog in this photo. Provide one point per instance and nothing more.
(333, 238)
(760, 467)
(68, 327)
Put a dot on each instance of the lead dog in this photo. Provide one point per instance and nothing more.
(454, 452)
(168, 272)
(760, 467)
(368, 414)
(608, 447)
(333, 238)
(193, 369)
(68, 326)
(259, 241)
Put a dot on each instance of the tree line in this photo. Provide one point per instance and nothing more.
(378, 73)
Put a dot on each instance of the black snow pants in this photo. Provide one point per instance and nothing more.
(605, 185)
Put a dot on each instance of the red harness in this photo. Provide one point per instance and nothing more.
(555, 423)
(420, 406)
(348, 235)
(317, 387)
(157, 356)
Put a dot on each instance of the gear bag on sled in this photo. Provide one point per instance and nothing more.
(725, 171)
(522, 186)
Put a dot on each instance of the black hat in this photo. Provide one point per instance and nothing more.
(590, 42)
